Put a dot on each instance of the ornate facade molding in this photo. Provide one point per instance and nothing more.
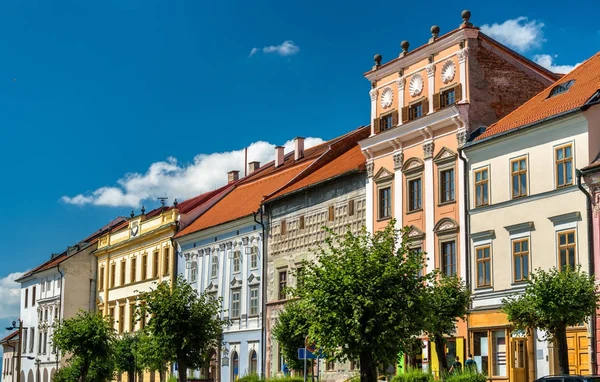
(461, 138)
(398, 160)
(374, 93)
(430, 70)
(370, 169)
(401, 82)
(428, 150)
(462, 54)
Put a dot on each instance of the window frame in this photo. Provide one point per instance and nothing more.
(386, 117)
(254, 257)
(251, 308)
(520, 254)
(236, 261)
(518, 173)
(454, 264)
(236, 314)
(133, 270)
(193, 271)
(282, 284)
(443, 95)
(409, 200)
(101, 277)
(144, 268)
(566, 246)
(214, 265)
(380, 202)
(441, 182)
(123, 272)
(412, 108)
(481, 184)
(166, 261)
(483, 261)
(558, 162)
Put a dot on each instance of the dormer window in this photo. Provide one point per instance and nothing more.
(561, 88)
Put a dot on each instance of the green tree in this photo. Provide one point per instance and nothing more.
(187, 325)
(448, 300)
(88, 337)
(125, 349)
(365, 296)
(554, 300)
(151, 355)
(290, 331)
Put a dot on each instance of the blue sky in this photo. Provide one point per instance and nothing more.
(106, 105)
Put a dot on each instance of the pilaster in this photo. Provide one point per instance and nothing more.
(369, 198)
(462, 68)
(373, 93)
(429, 205)
(431, 85)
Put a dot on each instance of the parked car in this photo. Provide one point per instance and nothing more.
(569, 378)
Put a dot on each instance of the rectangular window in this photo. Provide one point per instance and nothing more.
(385, 203)
(254, 257)
(133, 271)
(166, 261)
(564, 165)
(33, 296)
(101, 279)
(113, 274)
(121, 319)
(415, 111)
(254, 301)
(214, 266)
(447, 186)
(520, 250)
(282, 284)
(499, 353)
(131, 317)
(123, 273)
(351, 208)
(301, 222)
(566, 249)
(156, 264)
(518, 168)
(235, 304)
(236, 262)
(331, 213)
(414, 195)
(484, 266)
(24, 342)
(26, 297)
(40, 342)
(386, 122)
(449, 258)
(481, 188)
(283, 227)
(111, 314)
(144, 267)
(31, 339)
(193, 271)
(447, 98)
(43, 286)
(417, 251)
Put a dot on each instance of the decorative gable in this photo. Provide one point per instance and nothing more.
(413, 165)
(212, 287)
(383, 175)
(415, 234)
(253, 280)
(235, 282)
(445, 225)
(445, 156)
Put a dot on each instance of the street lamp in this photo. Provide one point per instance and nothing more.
(19, 343)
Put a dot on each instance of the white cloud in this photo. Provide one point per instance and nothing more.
(519, 34)
(181, 181)
(10, 293)
(286, 48)
(547, 61)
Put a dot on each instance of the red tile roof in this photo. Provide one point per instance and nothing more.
(192, 203)
(249, 192)
(540, 107)
(11, 336)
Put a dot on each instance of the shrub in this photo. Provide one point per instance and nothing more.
(286, 379)
(465, 376)
(414, 375)
(251, 378)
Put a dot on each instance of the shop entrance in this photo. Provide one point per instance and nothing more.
(518, 347)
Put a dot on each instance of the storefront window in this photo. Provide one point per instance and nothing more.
(480, 351)
(451, 351)
(499, 353)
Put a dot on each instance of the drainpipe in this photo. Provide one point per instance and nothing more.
(264, 289)
(466, 237)
(590, 233)
(62, 288)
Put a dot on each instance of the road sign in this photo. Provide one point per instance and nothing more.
(310, 345)
(306, 354)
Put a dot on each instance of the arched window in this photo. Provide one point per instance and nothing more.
(253, 362)
(236, 261)
(235, 371)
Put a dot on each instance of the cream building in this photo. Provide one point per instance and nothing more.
(10, 346)
(527, 212)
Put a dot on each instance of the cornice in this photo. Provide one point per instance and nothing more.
(134, 240)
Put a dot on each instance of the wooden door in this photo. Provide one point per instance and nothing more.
(519, 359)
(579, 358)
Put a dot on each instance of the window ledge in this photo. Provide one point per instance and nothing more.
(384, 219)
(414, 211)
(447, 203)
(484, 288)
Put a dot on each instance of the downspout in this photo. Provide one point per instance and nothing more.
(60, 298)
(466, 237)
(264, 290)
(591, 262)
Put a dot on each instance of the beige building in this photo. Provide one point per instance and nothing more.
(527, 212)
(10, 348)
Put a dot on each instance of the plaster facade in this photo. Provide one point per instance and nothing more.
(10, 346)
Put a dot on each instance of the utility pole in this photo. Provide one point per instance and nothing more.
(19, 351)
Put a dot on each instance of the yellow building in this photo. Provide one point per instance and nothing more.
(424, 105)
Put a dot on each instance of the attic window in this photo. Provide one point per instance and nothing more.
(561, 88)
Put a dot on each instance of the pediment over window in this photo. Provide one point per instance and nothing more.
(415, 234)
(212, 287)
(235, 282)
(253, 280)
(413, 165)
(445, 225)
(445, 155)
(383, 175)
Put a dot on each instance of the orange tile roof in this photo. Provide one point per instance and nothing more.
(540, 107)
(11, 336)
(192, 203)
(350, 159)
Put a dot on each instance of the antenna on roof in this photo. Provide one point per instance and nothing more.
(163, 200)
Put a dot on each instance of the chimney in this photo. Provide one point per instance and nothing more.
(253, 166)
(298, 148)
(232, 176)
(279, 156)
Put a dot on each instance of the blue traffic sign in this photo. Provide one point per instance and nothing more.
(303, 353)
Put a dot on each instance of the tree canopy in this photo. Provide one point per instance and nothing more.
(552, 301)
(186, 324)
(365, 294)
(290, 331)
(125, 349)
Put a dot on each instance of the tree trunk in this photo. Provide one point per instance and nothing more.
(131, 376)
(84, 370)
(161, 375)
(181, 370)
(368, 368)
(439, 343)
(563, 350)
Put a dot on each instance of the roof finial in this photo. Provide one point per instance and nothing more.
(377, 58)
(175, 203)
(132, 214)
(143, 210)
(404, 45)
(466, 15)
(435, 31)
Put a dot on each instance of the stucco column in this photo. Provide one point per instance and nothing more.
(373, 93)
(369, 198)
(431, 85)
(398, 183)
(400, 82)
(429, 205)
(462, 70)
(461, 138)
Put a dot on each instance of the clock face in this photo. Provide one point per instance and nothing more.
(415, 87)
(387, 96)
(448, 71)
